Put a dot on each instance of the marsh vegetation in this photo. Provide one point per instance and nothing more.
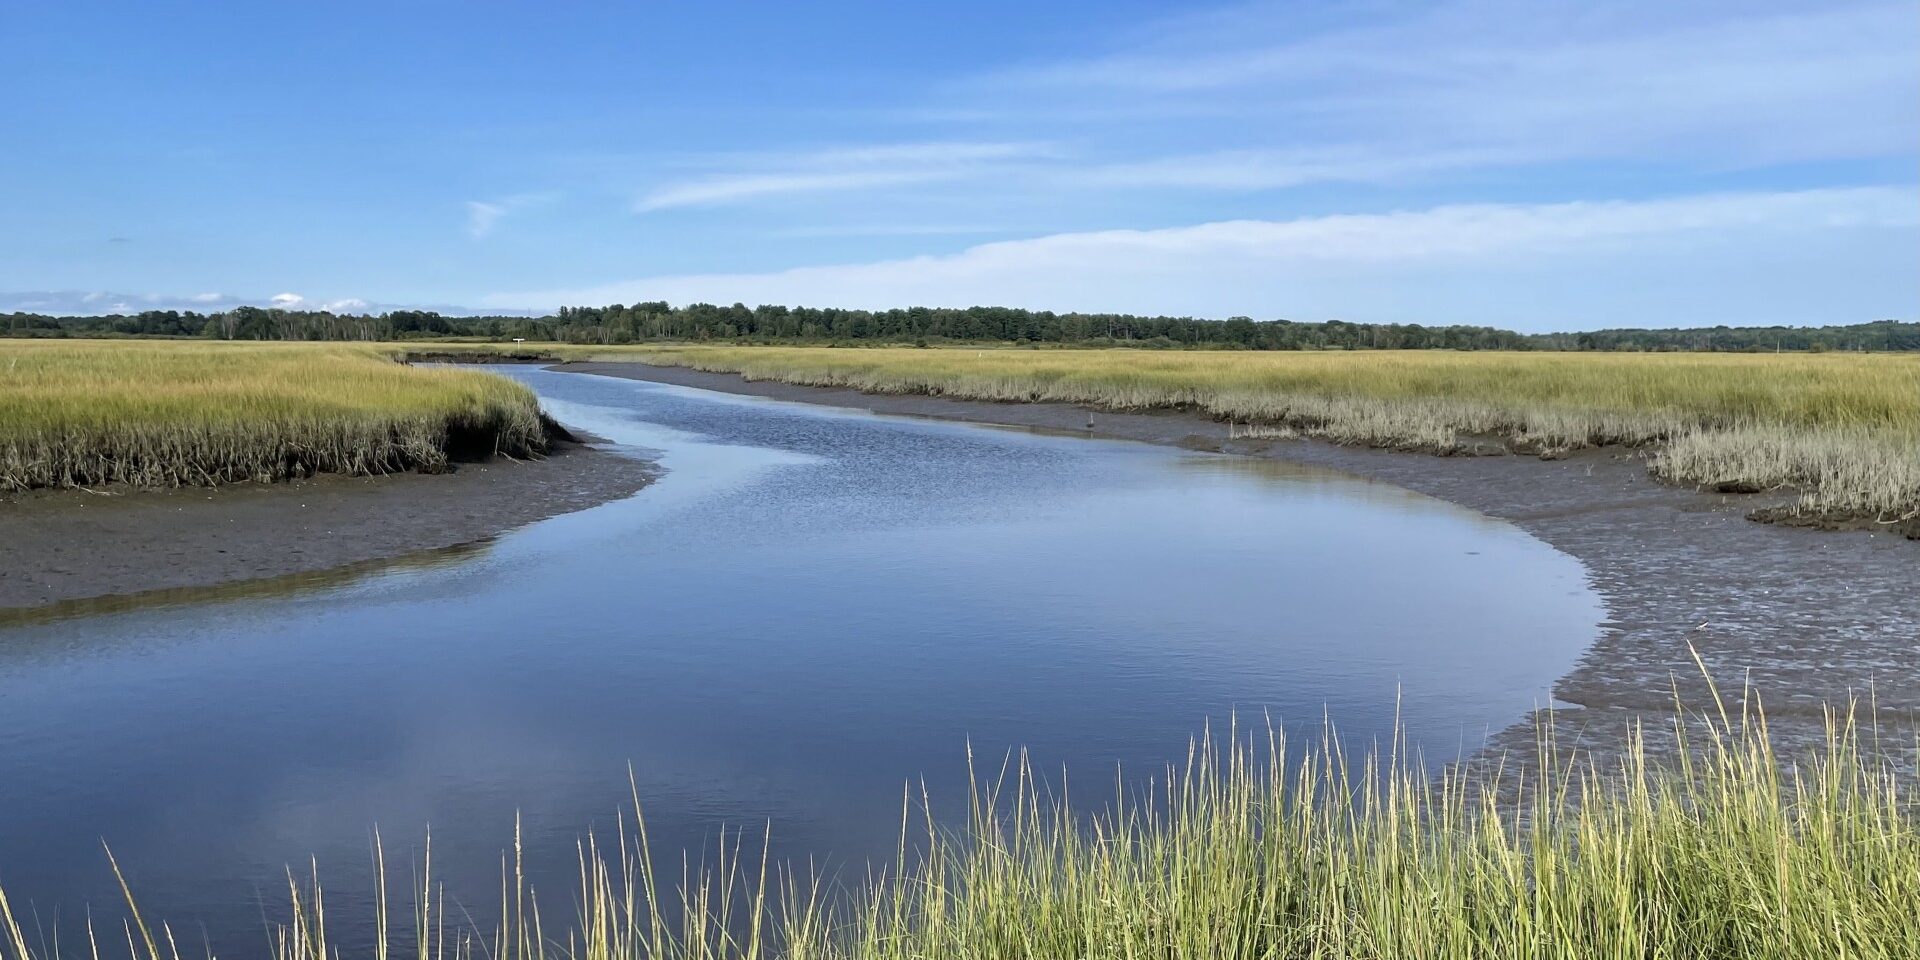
(1843, 431)
(156, 413)
(1732, 851)
(1728, 849)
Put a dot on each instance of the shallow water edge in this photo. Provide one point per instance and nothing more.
(1795, 618)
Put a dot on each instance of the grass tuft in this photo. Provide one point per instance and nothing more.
(1730, 851)
(160, 414)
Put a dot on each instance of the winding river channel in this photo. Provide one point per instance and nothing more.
(809, 609)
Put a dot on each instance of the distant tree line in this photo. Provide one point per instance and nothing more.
(1878, 336)
(704, 321)
(658, 320)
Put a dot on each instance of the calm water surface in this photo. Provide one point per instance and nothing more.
(812, 608)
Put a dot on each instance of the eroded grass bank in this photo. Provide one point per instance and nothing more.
(1734, 853)
(157, 413)
(1842, 430)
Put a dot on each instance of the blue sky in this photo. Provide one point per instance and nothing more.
(1535, 165)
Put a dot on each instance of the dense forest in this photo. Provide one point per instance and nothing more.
(653, 321)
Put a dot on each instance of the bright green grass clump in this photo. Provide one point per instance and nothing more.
(1842, 429)
(1732, 852)
(81, 413)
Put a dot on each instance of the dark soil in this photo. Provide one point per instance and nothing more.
(1908, 527)
(65, 545)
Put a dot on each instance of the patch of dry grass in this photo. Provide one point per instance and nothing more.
(168, 413)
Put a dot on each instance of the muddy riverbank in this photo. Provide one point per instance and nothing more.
(1806, 618)
(67, 545)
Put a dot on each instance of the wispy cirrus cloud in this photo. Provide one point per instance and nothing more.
(839, 170)
(1279, 168)
(484, 215)
(1266, 97)
(890, 230)
(481, 216)
(1833, 255)
(1752, 82)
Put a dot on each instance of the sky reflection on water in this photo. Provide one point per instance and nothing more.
(810, 609)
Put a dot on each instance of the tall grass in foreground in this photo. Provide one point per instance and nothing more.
(81, 413)
(1843, 429)
(1730, 852)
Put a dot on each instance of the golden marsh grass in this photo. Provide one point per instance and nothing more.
(1733, 851)
(1841, 429)
(159, 413)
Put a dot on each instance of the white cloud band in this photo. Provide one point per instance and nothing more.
(1815, 256)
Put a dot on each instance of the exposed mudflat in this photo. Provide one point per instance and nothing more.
(67, 545)
(1806, 617)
